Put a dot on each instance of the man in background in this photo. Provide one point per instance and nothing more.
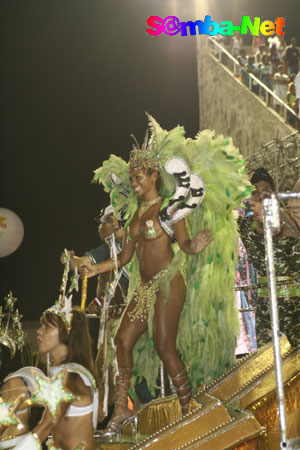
(107, 225)
(286, 244)
(292, 56)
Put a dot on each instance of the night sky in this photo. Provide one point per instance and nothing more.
(76, 78)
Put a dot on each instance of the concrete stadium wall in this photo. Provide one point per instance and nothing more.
(228, 107)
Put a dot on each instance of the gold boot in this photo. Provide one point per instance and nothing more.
(183, 389)
(117, 423)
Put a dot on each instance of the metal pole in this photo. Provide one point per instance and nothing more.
(271, 225)
(287, 195)
(162, 381)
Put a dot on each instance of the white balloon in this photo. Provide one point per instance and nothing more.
(11, 232)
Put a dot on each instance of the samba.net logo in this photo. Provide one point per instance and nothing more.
(171, 26)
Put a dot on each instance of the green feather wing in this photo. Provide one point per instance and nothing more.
(121, 194)
(210, 311)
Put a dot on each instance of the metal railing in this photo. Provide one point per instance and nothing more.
(219, 51)
(281, 158)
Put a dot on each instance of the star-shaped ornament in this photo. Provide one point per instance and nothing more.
(16, 318)
(65, 273)
(7, 413)
(67, 311)
(10, 300)
(74, 281)
(51, 393)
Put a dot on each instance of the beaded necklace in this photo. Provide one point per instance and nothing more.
(146, 205)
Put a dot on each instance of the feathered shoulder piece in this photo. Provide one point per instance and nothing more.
(114, 175)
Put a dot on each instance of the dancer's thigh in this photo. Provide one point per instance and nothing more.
(130, 330)
(166, 316)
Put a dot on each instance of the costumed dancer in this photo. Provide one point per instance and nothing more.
(70, 395)
(154, 196)
(17, 384)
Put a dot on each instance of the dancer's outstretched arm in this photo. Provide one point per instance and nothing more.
(123, 258)
(191, 246)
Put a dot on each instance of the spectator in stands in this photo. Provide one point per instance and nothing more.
(292, 56)
(297, 89)
(266, 73)
(257, 41)
(279, 43)
(251, 67)
(259, 54)
(236, 45)
(281, 51)
(281, 86)
(292, 102)
(274, 58)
